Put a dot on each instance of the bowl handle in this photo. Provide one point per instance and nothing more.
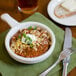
(7, 18)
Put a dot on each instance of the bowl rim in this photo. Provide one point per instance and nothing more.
(33, 58)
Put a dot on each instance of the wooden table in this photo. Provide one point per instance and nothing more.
(10, 6)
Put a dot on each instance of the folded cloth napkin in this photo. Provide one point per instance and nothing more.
(10, 67)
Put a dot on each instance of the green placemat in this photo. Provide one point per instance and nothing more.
(9, 67)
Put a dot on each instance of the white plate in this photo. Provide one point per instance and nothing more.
(69, 21)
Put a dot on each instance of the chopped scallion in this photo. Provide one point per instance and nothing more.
(28, 38)
(19, 36)
(35, 28)
(29, 28)
(31, 45)
(24, 35)
(29, 42)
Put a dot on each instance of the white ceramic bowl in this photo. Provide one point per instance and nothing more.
(16, 26)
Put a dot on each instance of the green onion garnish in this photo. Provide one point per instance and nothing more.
(24, 35)
(31, 45)
(29, 42)
(35, 28)
(29, 28)
(19, 36)
(28, 38)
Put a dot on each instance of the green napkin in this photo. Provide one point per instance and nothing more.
(10, 67)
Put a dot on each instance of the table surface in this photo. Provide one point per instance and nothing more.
(6, 6)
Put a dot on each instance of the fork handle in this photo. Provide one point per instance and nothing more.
(65, 69)
(49, 69)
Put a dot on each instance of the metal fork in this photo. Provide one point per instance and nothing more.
(65, 53)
